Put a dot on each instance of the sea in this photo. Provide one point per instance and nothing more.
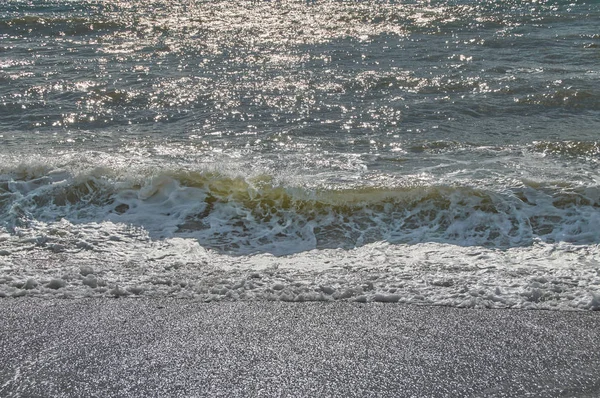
(434, 152)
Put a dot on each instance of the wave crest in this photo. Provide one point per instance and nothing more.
(244, 215)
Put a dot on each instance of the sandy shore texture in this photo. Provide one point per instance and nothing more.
(183, 348)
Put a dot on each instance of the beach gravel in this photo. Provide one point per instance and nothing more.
(166, 348)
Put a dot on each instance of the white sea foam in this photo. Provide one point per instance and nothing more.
(73, 230)
(543, 276)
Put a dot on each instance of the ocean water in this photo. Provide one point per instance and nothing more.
(434, 152)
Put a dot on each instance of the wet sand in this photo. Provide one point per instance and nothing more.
(184, 348)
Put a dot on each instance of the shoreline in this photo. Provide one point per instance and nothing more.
(175, 347)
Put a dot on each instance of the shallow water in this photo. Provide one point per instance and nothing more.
(434, 152)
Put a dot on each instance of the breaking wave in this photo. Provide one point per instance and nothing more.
(242, 215)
